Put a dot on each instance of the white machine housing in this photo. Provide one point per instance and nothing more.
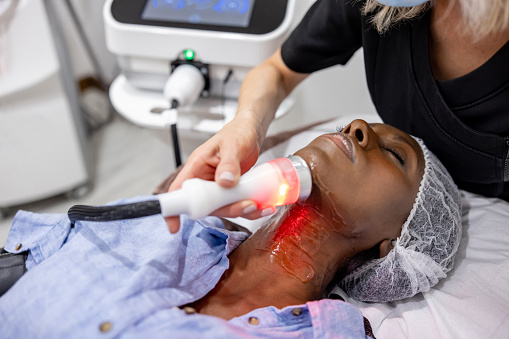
(218, 48)
(145, 52)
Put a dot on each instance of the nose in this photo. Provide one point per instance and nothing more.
(360, 131)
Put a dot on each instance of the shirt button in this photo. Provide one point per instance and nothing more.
(189, 310)
(297, 311)
(254, 321)
(18, 247)
(105, 327)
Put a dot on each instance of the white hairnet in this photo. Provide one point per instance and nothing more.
(425, 250)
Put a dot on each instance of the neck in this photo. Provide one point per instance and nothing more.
(455, 50)
(290, 261)
(301, 242)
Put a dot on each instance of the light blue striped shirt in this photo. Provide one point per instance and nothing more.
(126, 279)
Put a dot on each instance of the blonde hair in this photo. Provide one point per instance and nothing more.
(480, 17)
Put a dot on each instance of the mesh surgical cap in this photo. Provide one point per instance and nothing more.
(425, 250)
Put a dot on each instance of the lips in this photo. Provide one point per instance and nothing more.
(344, 143)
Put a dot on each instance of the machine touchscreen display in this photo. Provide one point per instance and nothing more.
(233, 13)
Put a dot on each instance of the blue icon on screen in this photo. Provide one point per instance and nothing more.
(239, 6)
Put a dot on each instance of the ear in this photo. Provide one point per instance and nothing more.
(385, 247)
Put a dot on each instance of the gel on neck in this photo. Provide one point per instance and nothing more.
(278, 182)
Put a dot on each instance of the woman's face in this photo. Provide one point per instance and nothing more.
(366, 179)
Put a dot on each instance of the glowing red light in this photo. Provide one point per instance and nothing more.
(289, 188)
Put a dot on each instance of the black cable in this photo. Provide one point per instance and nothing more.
(176, 147)
(174, 137)
(116, 212)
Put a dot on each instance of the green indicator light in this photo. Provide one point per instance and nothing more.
(189, 54)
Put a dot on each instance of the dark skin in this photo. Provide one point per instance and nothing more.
(362, 205)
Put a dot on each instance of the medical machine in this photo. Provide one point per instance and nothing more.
(43, 148)
(221, 39)
(279, 182)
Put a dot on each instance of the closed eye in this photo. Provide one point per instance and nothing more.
(395, 154)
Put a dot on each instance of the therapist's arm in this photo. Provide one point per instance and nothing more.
(235, 148)
(262, 91)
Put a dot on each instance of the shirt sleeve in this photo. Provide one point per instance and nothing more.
(329, 34)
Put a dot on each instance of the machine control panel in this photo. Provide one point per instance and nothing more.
(236, 16)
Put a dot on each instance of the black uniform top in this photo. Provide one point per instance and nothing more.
(464, 121)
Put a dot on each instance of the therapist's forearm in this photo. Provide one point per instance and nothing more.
(263, 89)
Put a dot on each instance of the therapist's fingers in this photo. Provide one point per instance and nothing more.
(266, 211)
(223, 158)
(246, 209)
(201, 164)
(234, 161)
(173, 224)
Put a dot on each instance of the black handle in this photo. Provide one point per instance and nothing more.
(116, 212)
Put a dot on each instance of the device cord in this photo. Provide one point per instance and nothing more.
(114, 212)
(174, 137)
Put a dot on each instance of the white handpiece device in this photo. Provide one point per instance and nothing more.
(278, 182)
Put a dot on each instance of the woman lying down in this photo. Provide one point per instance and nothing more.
(382, 222)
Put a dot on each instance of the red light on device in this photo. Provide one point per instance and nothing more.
(289, 187)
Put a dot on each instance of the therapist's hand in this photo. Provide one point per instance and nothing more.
(224, 158)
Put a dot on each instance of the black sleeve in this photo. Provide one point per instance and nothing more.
(329, 34)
